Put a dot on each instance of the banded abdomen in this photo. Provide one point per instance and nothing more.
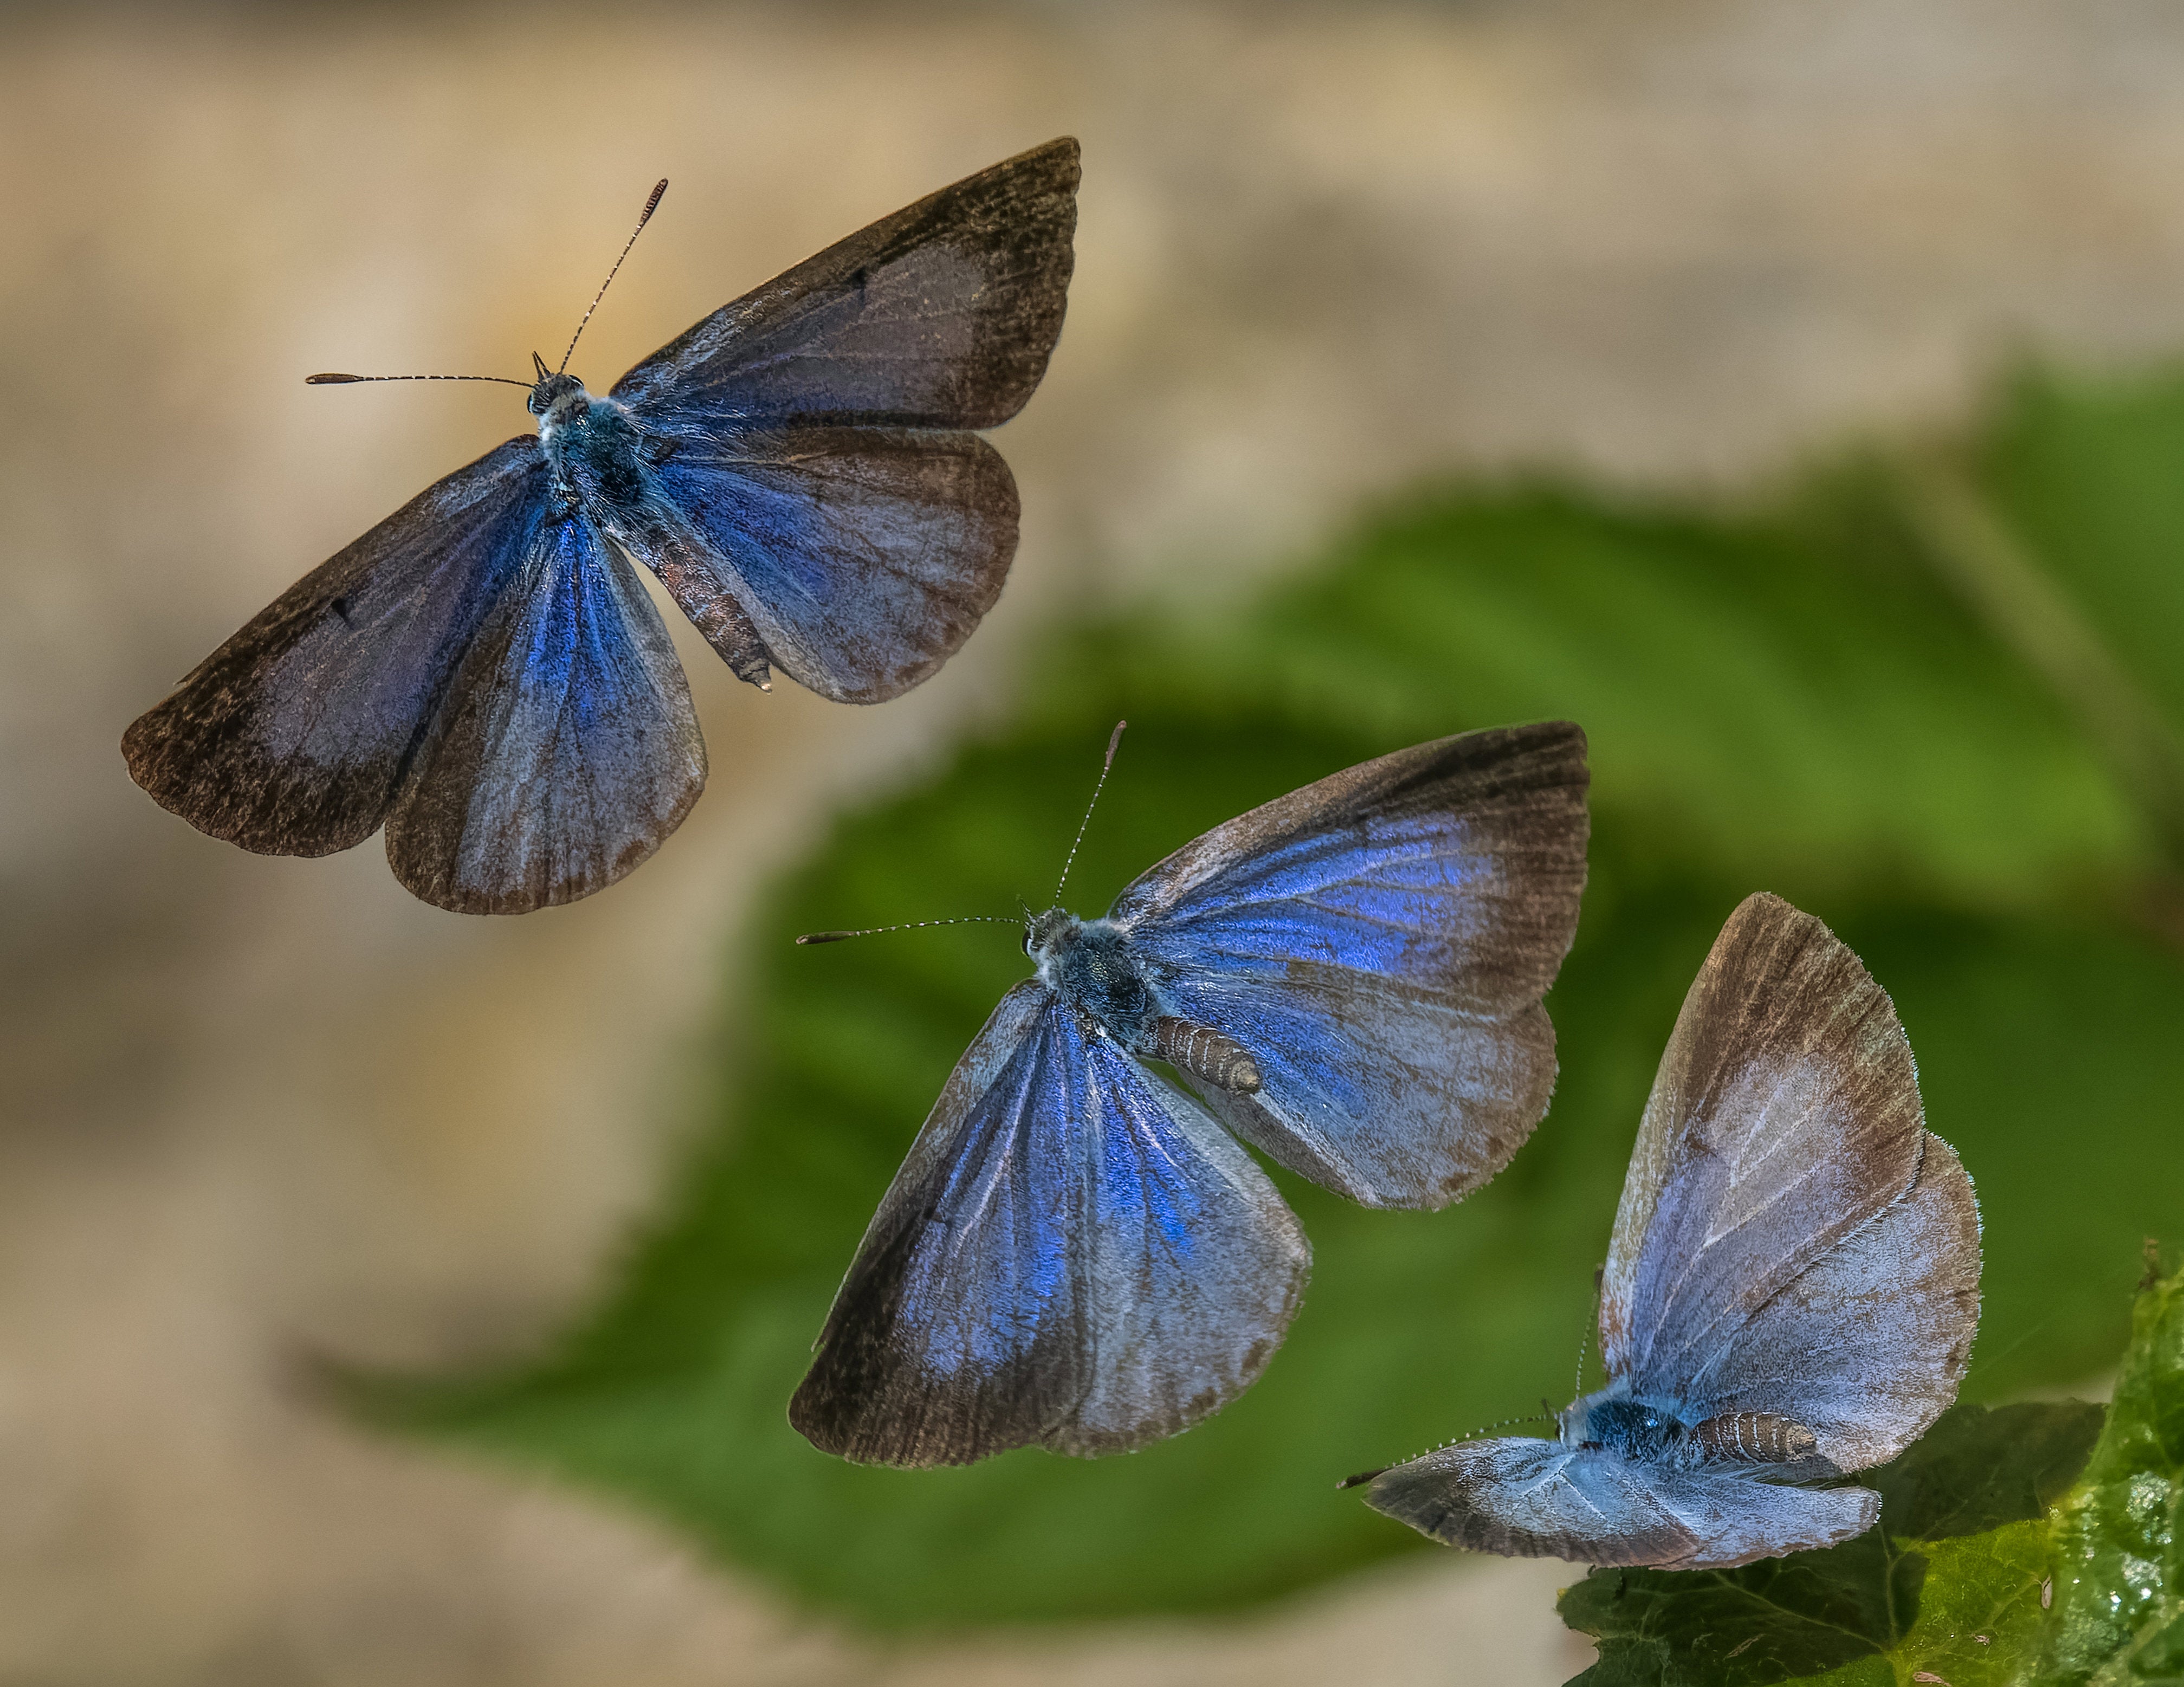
(1205, 1053)
(1752, 1437)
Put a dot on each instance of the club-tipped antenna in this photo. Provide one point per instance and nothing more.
(910, 926)
(1114, 742)
(346, 380)
(644, 217)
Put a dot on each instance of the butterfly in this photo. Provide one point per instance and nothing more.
(1790, 1292)
(482, 672)
(1079, 1255)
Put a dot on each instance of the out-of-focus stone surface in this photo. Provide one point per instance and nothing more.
(254, 1108)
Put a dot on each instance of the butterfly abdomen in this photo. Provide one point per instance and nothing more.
(1752, 1437)
(1205, 1053)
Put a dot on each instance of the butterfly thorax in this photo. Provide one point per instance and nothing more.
(592, 445)
(1634, 1429)
(1090, 965)
(598, 458)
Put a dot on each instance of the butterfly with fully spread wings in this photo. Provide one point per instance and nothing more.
(482, 672)
(1078, 1255)
(1792, 1289)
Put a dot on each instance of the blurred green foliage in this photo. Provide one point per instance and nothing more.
(1859, 696)
(1948, 1585)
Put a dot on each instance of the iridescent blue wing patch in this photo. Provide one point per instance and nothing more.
(1790, 1293)
(1071, 1255)
(864, 557)
(1379, 942)
(294, 738)
(566, 750)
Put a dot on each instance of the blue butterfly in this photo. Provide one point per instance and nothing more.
(483, 674)
(1790, 1293)
(1079, 1254)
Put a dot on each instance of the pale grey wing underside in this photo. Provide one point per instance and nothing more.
(1785, 1115)
(1866, 1346)
(1532, 1499)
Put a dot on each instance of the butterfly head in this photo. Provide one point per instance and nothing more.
(558, 398)
(1047, 936)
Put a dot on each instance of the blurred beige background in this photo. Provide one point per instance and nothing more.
(253, 1108)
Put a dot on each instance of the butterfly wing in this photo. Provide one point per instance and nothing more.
(864, 557)
(940, 316)
(1866, 1346)
(1532, 1499)
(1791, 1239)
(294, 736)
(1379, 942)
(812, 440)
(566, 750)
(1069, 1256)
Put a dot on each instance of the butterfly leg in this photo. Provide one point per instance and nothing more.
(1205, 1053)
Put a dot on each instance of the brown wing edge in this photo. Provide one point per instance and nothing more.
(192, 752)
(1033, 193)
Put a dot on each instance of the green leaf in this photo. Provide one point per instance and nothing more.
(2118, 1550)
(1948, 1587)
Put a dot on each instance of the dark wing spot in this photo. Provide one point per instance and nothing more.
(340, 607)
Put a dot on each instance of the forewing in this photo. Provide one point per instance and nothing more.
(1379, 941)
(1785, 1115)
(942, 315)
(1068, 1256)
(864, 556)
(1527, 1498)
(1866, 1346)
(292, 739)
(567, 749)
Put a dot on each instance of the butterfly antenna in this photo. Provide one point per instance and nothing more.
(650, 206)
(1114, 742)
(910, 926)
(346, 380)
(1584, 1341)
(1366, 1476)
